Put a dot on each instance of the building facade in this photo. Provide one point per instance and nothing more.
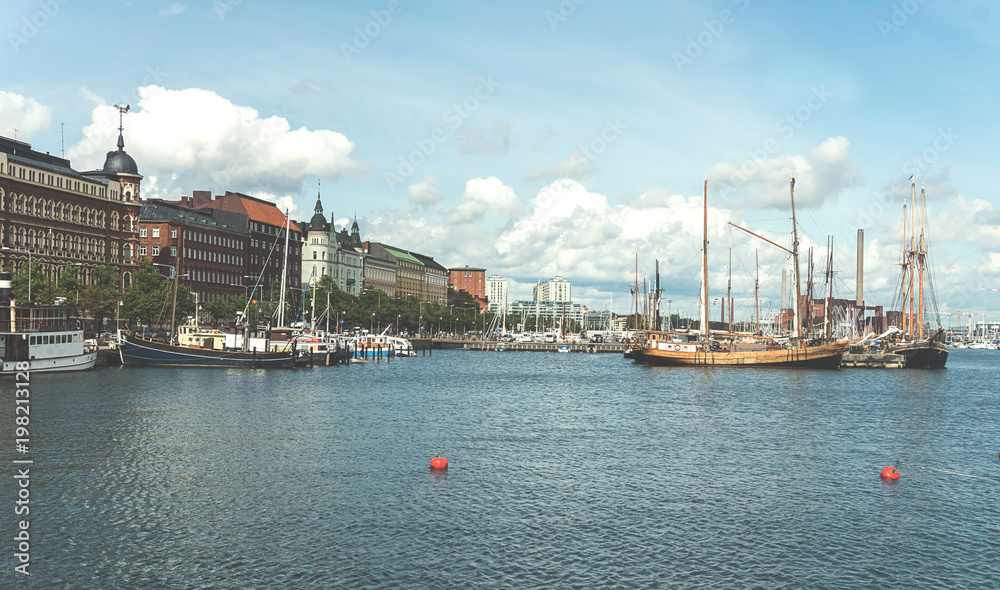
(554, 289)
(470, 280)
(59, 217)
(496, 293)
(270, 249)
(379, 269)
(206, 246)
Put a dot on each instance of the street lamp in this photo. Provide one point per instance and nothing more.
(372, 330)
(28, 252)
(398, 315)
(118, 324)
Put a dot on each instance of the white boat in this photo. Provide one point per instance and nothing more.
(380, 345)
(40, 338)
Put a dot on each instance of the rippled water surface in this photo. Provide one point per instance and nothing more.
(566, 471)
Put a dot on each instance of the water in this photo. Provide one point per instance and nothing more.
(566, 471)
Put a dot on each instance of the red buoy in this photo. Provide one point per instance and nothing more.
(439, 463)
(890, 473)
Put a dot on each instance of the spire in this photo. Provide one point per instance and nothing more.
(121, 127)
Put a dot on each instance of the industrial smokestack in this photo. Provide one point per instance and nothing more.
(861, 268)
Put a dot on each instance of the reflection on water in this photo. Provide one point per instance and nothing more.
(564, 470)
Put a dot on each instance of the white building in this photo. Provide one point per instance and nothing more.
(548, 312)
(327, 253)
(496, 293)
(554, 289)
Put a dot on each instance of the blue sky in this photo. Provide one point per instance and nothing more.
(549, 138)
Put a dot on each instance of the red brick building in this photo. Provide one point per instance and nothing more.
(207, 246)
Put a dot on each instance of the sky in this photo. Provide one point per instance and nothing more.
(554, 138)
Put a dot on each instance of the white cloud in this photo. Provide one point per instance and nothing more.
(821, 177)
(576, 166)
(27, 115)
(481, 196)
(423, 193)
(173, 9)
(194, 139)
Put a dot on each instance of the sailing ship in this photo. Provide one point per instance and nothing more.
(922, 346)
(40, 338)
(136, 350)
(666, 349)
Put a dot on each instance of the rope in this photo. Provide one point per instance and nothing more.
(962, 474)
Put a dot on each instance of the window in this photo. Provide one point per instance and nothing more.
(173, 232)
(156, 232)
(142, 249)
(173, 250)
(142, 232)
(126, 252)
(156, 250)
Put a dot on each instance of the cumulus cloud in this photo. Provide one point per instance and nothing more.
(577, 167)
(27, 115)
(483, 195)
(476, 140)
(820, 177)
(423, 193)
(195, 139)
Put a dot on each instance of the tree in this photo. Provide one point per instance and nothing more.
(101, 297)
(41, 288)
(225, 308)
(150, 297)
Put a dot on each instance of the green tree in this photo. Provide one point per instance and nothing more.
(101, 297)
(150, 297)
(223, 309)
(41, 288)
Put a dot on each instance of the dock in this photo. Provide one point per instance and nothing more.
(493, 346)
(872, 360)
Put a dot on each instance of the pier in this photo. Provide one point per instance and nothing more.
(493, 346)
(872, 360)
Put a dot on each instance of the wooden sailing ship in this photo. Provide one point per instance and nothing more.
(922, 346)
(666, 349)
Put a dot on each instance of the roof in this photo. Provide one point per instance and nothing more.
(466, 268)
(256, 209)
(157, 210)
(402, 255)
(21, 153)
(429, 262)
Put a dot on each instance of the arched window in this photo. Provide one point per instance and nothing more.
(3, 198)
(38, 208)
(126, 252)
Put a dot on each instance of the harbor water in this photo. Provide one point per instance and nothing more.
(566, 471)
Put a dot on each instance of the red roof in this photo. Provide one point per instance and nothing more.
(256, 209)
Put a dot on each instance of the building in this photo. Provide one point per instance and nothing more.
(206, 246)
(597, 320)
(318, 258)
(379, 268)
(266, 255)
(435, 280)
(496, 294)
(554, 289)
(348, 272)
(548, 313)
(470, 280)
(58, 217)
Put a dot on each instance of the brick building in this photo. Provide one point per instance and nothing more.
(60, 217)
(208, 246)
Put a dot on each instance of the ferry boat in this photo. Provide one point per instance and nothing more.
(41, 335)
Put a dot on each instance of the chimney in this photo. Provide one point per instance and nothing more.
(202, 198)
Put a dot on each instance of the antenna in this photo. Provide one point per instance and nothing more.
(62, 132)
(121, 114)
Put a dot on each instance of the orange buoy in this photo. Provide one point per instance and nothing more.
(890, 473)
(439, 463)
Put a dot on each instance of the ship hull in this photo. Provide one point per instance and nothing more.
(141, 352)
(826, 356)
(923, 354)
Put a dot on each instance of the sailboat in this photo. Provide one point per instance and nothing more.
(922, 347)
(666, 349)
(136, 350)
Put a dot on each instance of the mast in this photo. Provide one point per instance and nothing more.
(177, 278)
(906, 267)
(912, 252)
(756, 289)
(795, 262)
(921, 262)
(284, 274)
(312, 313)
(704, 264)
(809, 294)
(729, 293)
(829, 283)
